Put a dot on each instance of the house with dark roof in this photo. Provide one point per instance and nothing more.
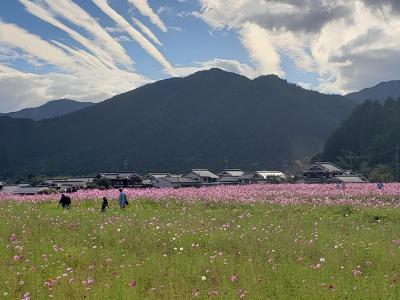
(348, 179)
(1, 185)
(230, 176)
(203, 176)
(30, 190)
(175, 181)
(322, 172)
(125, 179)
(263, 177)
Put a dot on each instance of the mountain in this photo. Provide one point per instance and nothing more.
(380, 92)
(202, 120)
(49, 110)
(368, 137)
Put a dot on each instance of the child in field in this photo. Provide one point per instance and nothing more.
(123, 200)
(104, 205)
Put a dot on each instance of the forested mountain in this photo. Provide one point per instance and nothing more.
(52, 109)
(202, 120)
(368, 138)
(380, 92)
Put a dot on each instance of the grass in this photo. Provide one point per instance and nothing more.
(174, 250)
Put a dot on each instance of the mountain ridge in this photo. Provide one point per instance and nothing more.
(380, 92)
(49, 110)
(176, 124)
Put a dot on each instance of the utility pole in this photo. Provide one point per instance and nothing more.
(126, 165)
(397, 162)
(350, 157)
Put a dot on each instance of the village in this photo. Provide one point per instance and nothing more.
(317, 173)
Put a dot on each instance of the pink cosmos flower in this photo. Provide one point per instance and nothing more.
(132, 284)
(356, 273)
(26, 296)
(234, 278)
(13, 237)
(16, 257)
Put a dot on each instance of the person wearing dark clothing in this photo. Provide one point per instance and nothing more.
(65, 201)
(104, 205)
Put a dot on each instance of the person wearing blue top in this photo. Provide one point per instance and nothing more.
(123, 200)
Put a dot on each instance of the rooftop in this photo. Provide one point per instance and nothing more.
(205, 173)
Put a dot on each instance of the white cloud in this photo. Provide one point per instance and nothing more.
(48, 17)
(143, 28)
(144, 8)
(223, 64)
(136, 35)
(350, 44)
(19, 90)
(71, 12)
(14, 37)
(257, 41)
(77, 74)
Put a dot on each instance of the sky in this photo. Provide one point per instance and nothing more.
(91, 50)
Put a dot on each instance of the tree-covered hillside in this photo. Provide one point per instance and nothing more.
(209, 119)
(368, 139)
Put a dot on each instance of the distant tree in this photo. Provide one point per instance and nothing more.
(382, 173)
(103, 182)
(365, 169)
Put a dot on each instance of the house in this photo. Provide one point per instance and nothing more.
(124, 179)
(175, 181)
(263, 177)
(321, 172)
(230, 176)
(2, 184)
(153, 176)
(72, 183)
(347, 179)
(31, 190)
(203, 176)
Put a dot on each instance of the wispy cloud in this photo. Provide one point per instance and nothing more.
(143, 28)
(71, 12)
(144, 8)
(136, 35)
(48, 17)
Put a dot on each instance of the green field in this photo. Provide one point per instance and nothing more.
(173, 250)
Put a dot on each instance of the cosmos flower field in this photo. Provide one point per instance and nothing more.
(233, 242)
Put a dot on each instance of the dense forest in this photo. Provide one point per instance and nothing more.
(211, 119)
(369, 140)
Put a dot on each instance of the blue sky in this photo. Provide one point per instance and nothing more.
(93, 49)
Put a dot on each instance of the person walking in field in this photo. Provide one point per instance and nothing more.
(104, 205)
(123, 200)
(380, 185)
(65, 201)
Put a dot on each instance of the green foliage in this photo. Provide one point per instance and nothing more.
(381, 173)
(178, 124)
(275, 252)
(103, 182)
(367, 138)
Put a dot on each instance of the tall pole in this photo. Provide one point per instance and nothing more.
(397, 162)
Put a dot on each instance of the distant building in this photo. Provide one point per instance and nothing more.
(347, 179)
(263, 177)
(230, 176)
(31, 190)
(125, 179)
(70, 184)
(153, 176)
(203, 176)
(172, 181)
(322, 172)
(1, 185)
